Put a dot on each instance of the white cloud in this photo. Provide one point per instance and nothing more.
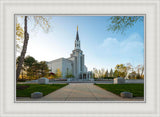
(111, 46)
(130, 49)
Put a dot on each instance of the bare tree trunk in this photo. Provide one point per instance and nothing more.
(26, 38)
(142, 71)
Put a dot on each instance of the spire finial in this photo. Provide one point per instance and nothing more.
(77, 36)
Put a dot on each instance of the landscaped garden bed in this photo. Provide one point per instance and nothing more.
(25, 90)
(136, 89)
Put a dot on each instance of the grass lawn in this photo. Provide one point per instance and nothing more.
(25, 90)
(136, 89)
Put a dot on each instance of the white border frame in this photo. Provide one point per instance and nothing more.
(148, 7)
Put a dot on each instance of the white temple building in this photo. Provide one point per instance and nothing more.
(75, 64)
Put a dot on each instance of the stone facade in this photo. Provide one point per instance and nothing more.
(63, 64)
(75, 64)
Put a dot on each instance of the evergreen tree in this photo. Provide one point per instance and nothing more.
(111, 73)
(44, 70)
(106, 73)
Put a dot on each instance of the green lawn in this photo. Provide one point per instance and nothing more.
(136, 89)
(25, 90)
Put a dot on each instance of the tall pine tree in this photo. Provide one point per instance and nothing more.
(106, 73)
(111, 73)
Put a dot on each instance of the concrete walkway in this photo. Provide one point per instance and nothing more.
(80, 92)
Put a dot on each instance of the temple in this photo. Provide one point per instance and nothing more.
(74, 65)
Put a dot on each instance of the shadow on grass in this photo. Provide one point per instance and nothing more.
(136, 89)
(25, 90)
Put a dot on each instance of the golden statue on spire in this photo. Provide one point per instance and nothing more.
(77, 27)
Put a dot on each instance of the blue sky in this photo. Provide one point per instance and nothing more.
(102, 48)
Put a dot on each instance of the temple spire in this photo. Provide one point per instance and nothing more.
(77, 36)
(77, 41)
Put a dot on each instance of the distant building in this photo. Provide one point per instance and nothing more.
(74, 65)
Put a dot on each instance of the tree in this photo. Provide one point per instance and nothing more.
(99, 73)
(138, 76)
(17, 60)
(96, 73)
(26, 37)
(58, 73)
(19, 36)
(121, 68)
(37, 70)
(142, 73)
(23, 67)
(32, 71)
(111, 73)
(28, 64)
(140, 70)
(93, 74)
(128, 68)
(106, 73)
(116, 74)
(121, 23)
(43, 23)
(29, 61)
(44, 70)
(102, 73)
(132, 75)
